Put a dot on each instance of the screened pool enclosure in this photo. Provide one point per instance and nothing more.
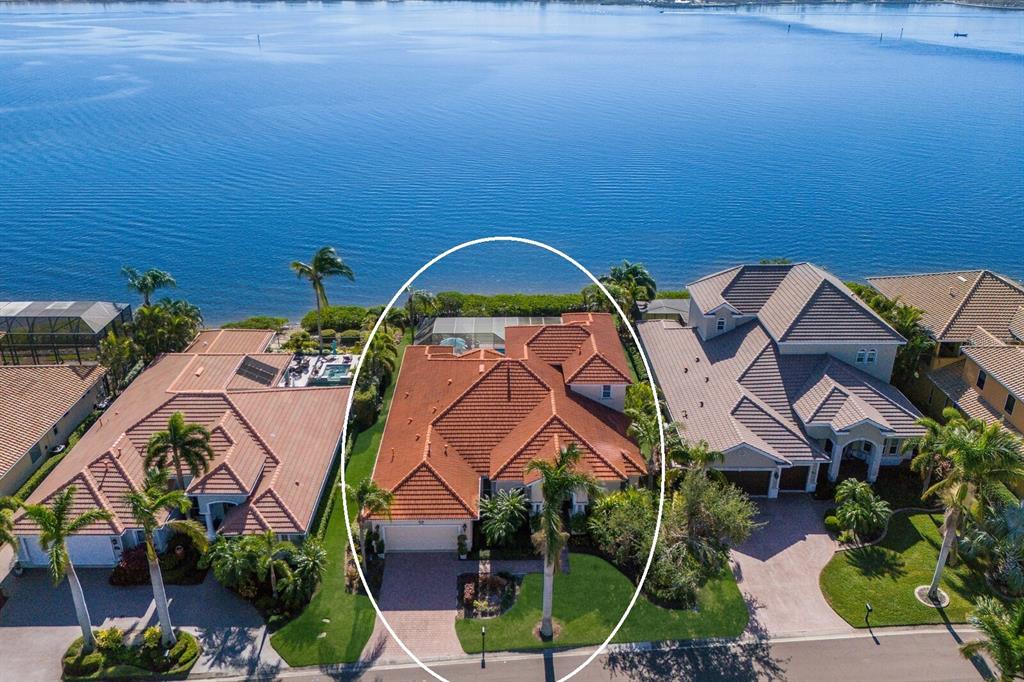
(466, 333)
(53, 332)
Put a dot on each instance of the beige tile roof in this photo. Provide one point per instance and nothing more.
(33, 398)
(276, 444)
(737, 389)
(795, 303)
(1017, 324)
(231, 341)
(965, 396)
(954, 303)
(1003, 363)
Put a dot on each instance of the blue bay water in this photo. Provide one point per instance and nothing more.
(220, 141)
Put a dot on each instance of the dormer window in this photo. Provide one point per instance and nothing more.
(720, 324)
(606, 391)
(872, 354)
(1011, 403)
(861, 356)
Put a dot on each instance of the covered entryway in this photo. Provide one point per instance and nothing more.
(752, 482)
(794, 478)
(421, 537)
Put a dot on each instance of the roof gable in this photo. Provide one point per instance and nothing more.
(831, 315)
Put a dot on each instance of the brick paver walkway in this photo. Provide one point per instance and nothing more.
(419, 600)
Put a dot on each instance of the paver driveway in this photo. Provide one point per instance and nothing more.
(778, 568)
(419, 600)
(38, 623)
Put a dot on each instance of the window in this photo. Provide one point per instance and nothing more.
(892, 447)
(980, 383)
(720, 325)
(861, 354)
(35, 453)
(606, 391)
(1011, 403)
(872, 354)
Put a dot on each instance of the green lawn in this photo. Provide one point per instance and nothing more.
(886, 574)
(589, 602)
(351, 616)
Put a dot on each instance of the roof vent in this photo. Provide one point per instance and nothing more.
(685, 370)
(702, 403)
(446, 448)
(696, 359)
(481, 368)
(417, 436)
(684, 414)
(707, 379)
(449, 381)
(962, 278)
(952, 292)
(410, 420)
(407, 394)
(199, 372)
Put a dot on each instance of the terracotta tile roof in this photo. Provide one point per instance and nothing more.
(231, 341)
(33, 398)
(274, 444)
(457, 419)
(798, 302)
(737, 389)
(954, 303)
(965, 396)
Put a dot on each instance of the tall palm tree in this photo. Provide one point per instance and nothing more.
(635, 278)
(146, 506)
(270, 553)
(56, 525)
(979, 459)
(418, 304)
(371, 500)
(8, 505)
(1002, 628)
(382, 357)
(558, 480)
(182, 444)
(145, 283)
(326, 263)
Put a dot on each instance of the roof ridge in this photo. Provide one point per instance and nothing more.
(591, 446)
(756, 402)
(116, 461)
(255, 432)
(737, 268)
(528, 440)
(925, 274)
(441, 479)
(284, 505)
(960, 306)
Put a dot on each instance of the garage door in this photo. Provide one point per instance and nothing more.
(751, 482)
(422, 538)
(794, 478)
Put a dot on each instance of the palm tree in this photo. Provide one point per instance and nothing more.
(558, 480)
(118, 354)
(501, 515)
(930, 459)
(8, 505)
(376, 501)
(979, 459)
(270, 553)
(145, 283)
(181, 444)
(418, 304)
(146, 506)
(1002, 628)
(382, 357)
(860, 509)
(56, 525)
(644, 429)
(634, 278)
(326, 263)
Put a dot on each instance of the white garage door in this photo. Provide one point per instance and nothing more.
(422, 538)
(85, 550)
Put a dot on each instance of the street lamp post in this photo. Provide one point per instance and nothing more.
(483, 646)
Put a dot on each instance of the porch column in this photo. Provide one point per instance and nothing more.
(210, 532)
(773, 484)
(812, 478)
(837, 458)
(875, 463)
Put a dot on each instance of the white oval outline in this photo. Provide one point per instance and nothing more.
(661, 438)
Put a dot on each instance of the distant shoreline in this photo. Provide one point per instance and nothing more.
(658, 4)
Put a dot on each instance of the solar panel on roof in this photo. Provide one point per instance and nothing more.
(257, 371)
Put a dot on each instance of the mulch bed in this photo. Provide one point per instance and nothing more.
(486, 596)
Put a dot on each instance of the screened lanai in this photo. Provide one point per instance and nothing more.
(53, 332)
(475, 332)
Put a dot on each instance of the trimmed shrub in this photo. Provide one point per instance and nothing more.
(673, 293)
(258, 322)
(364, 408)
(831, 511)
(111, 641)
(832, 524)
(152, 637)
(81, 666)
(132, 569)
(350, 337)
(328, 333)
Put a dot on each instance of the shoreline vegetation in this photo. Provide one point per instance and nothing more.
(697, 4)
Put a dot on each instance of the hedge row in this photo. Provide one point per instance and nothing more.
(458, 304)
(258, 322)
(29, 486)
(336, 317)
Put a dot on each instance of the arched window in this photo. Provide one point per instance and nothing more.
(872, 354)
(861, 354)
(720, 325)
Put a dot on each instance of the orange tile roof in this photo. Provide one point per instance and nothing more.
(457, 419)
(273, 444)
(231, 341)
(33, 398)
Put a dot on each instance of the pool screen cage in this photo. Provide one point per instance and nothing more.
(55, 332)
(476, 332)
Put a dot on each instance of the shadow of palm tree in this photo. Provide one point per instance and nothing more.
(874, 562)
(236, 648)
(350, 672)
(748, 658)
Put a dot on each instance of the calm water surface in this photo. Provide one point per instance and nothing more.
(220, 141)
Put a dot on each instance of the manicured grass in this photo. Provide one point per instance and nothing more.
(131, 662)
(351, 616)
(589, 602)
(886, 574)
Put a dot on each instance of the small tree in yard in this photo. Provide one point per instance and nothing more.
(270, 554)
(860, 509)
(1002, 630)
(502, 515)
(118, 354)
(372, 499)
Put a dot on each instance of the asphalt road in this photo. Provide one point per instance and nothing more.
(928, 656)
